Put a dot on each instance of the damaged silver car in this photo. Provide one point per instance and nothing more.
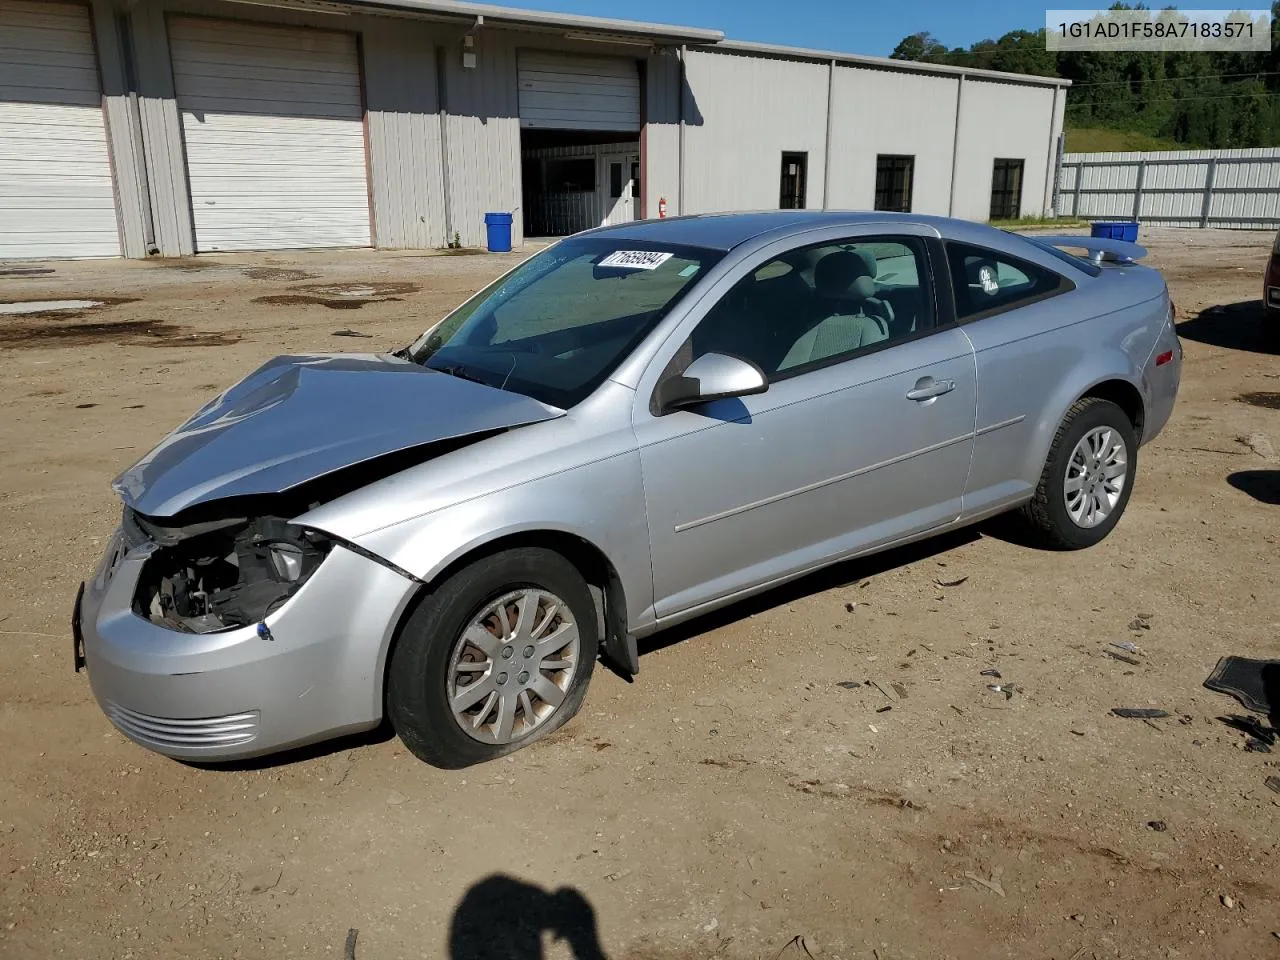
(633, 427)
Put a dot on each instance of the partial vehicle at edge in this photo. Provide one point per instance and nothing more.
(635, 426)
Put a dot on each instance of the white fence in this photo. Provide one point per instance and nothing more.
(1181, 188)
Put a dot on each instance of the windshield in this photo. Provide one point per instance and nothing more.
(558, 325)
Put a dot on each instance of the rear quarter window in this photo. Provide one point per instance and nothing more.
(986, 282)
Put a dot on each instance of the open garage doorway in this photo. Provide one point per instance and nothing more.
(580, 119)
(571, 185)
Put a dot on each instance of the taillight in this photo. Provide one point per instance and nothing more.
(1273, 271)
(1164, 358)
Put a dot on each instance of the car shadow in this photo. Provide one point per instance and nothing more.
(1235, 326)
(1262, 485)
(502, 918)
(837, 575)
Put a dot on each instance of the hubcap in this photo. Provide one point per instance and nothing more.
(512, 666)
(1096, 475)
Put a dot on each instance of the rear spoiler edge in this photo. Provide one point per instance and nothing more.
(1099, 248)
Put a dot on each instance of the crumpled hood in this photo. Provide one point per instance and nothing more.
(299, 418)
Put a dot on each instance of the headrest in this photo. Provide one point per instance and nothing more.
(835, 275)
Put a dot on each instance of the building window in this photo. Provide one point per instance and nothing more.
(795, 166)
(570, 176)
(615, 179)
(894, 175)
(1006, 189)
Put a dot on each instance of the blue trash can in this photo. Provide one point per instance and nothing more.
(1115, 230)
(498, 228)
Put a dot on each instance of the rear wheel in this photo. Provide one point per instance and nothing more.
(497, 657)
(1087, 478)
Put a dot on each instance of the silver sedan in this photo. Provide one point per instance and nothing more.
(635, 426)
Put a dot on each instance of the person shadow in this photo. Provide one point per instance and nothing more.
(502, 918)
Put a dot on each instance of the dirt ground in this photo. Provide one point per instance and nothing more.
(733, 798)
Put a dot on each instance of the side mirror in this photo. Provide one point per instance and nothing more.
(713, 376)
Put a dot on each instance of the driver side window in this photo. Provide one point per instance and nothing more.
(821, 304)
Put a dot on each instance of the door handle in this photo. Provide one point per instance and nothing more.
(927, 388)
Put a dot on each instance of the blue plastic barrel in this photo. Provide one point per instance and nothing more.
(1115, 230)
(498, 229)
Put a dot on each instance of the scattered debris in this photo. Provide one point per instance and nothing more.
(1140, 713)
(990, 673)
(617, 876)
(885, 709)
(993, 884)
(351, 333)
(873, 683)
(899, 689)
(1247, 680)
(1077, 917)
(1141, 622)
(949, 583)
(25, 271)
(349, 951)
(1256, 746)
(1123, 658)
(850, 606)
(1259, 443)
(1272, 784)
(85, 406)
(849, 684)
(1127, 645)
(1159, 826)
(1001, 688)
(1252, 727)
(799, 943)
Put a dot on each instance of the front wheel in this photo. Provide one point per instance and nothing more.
(1087, 478)
(497, 657)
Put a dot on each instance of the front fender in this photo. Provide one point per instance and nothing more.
(601, 502)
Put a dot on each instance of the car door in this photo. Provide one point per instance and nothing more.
(863, 436)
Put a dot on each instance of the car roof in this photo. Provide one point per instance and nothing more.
(724, 231)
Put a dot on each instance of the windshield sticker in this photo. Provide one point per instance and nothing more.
(689, 271)
(990, 283)
(635, 259)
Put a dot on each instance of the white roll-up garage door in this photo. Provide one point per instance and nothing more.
(567, 92)
(56, 195)
(274, 129)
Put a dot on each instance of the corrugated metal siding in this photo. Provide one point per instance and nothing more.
(405, 161)
(663, 90)
(1190, 188)
(878, 111)
(273, 126)
(560, 91)
(743, 113)
(1002, 120)
(56, 194)
(483, 136)
(124, 133)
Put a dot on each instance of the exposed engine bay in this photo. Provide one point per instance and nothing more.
(221, 574)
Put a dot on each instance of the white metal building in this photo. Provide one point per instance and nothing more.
(137, 127)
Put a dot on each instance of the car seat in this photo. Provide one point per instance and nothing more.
(849, 314)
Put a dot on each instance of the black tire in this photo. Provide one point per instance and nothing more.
(417, 698)
(1046, 513)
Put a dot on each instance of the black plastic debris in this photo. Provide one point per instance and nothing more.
(1159, 826)
(1255, 683)
(1252, 727)
(990, 673)
(885, 709)
(1272, 784)
(1256, 746)
(352, 333)
(849, 684)
(1140, 713)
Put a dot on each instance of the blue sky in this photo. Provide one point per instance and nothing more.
(851, 26)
